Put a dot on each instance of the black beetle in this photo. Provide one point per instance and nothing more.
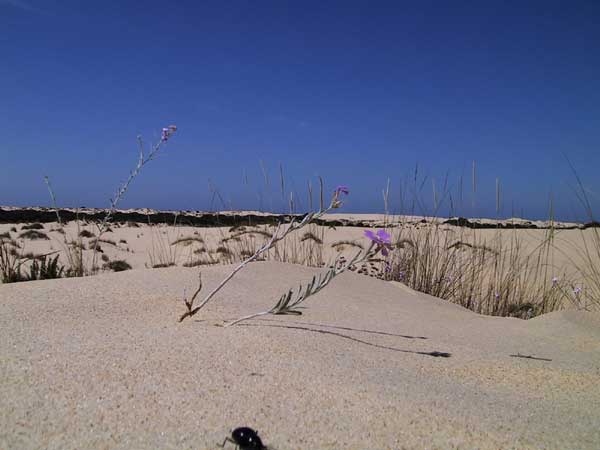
(245, 439)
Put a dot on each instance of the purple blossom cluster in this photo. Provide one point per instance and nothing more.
(167, 132)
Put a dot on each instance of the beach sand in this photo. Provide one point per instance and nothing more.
(101, 362)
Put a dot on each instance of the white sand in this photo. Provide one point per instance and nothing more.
(101, 362)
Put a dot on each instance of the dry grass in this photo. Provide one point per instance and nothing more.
(341, 246)
(162, 253)
(33, 235)
(495, 278)
(33, 226)
(310, 236)
(188, 240)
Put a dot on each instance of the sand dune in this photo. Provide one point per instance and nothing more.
(101, 362)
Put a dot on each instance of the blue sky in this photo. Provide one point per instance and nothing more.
(356, 92)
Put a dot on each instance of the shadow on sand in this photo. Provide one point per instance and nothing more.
(345, 336)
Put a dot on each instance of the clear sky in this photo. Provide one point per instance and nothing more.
(354, 91)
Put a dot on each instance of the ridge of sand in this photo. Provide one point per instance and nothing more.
(101, 362)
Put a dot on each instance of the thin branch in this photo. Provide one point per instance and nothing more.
(294, 226)
(289, 303)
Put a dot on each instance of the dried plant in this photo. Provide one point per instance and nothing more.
(33, 226)
(188, 240)
(162, 252)
(10, 266)
(118, 265)
(289, 303)
(33, 235)
(40, 270)
(341, 245)
(309, 236)
(279, 234)
(75, 257)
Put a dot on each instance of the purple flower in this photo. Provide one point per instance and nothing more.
(554, 280)
(341, 190)
(577, 290)
(402, 275)
(496, 296)
(166, 133)
(381, 239)
(335, 201)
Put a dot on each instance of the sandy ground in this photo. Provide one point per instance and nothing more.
(101, 362)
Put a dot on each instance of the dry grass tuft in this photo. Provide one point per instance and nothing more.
(188, 240)
(118, 265)
(310, 236)
(86, 234)
(33, 226)
(34, 235)
(340, 246)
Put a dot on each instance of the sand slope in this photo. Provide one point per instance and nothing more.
(101, 362)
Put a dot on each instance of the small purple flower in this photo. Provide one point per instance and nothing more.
(577, 291)
(388, 267)
(554, 281)
(341, 190)
(335, 202)
(166, 133)
(496, 296)
(381, 239)
(402, 275)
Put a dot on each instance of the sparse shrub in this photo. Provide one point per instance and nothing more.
(200, 262)
(96, 242)
(40, 270)
(162, 265)
(86, 234)
(13, 229)
(312, 237)
(104, 258)
(33, 235)
(132, 224)
(117, 265)
(122, 241)
(194, 263)
(10, 267)
(341, 245)
(33, 226)
(246, 253)
(77, 245)
(223, 251)
(501, 279)
(31, 255)
(188, 240)
(5, 235)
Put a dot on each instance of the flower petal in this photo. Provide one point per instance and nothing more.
(370, 235)
(384, 236)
